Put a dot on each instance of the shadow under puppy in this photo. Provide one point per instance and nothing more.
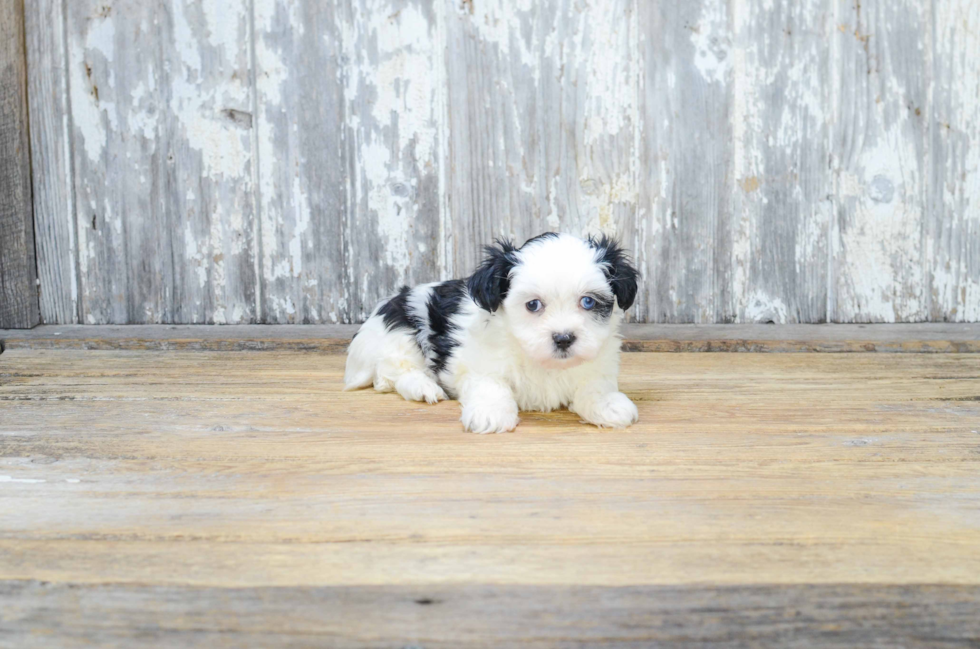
(534, 328)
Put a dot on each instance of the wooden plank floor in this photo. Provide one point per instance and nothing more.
(241, 499)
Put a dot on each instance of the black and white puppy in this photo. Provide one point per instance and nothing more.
(534, 328)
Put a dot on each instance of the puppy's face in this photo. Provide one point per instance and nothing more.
(557, 294)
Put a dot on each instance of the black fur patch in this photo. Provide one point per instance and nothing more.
(543, 235)
(395, 312)
(489, 284)
(444, 301)
(603, 306)
(618, 268)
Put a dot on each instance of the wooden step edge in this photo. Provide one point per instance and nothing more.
(333, 339)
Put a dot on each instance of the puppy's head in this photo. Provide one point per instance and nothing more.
(561, 297)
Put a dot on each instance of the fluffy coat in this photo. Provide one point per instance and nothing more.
(535, 328)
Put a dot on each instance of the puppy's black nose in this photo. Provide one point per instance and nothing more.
(563, 341)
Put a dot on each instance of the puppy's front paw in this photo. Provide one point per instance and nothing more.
(489, 417)
(613, 410)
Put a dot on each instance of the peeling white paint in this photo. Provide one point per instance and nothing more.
(954, 285)
(779, 128)
(611, 77)
(272, 69)
(761, 308)
(955, 247)
(285, 209)
(389, 90)
(184, 35)
(195, 256)
(446, 244)
(711, 43)
(177, 121)
(403, 78)
(143, 118)
(301, 224)
(225, 23)
(393, 212)
(881, 261)
(746, 163)
(601, 202)
(87, 112)
(499, 22)
(582, 63)
(199, 106)
(271, 75)
(283, 305)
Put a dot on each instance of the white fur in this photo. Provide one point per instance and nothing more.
(506, 361)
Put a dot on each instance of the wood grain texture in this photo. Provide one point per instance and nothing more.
(952, 236)
(162, 154)
(542, 115)
(780, 121)
(766, 161)
(684, 235)
(492, 616)
(261, 472)
(880, 150)
(302, 163)
(18, 272)
(393, 120)
(182, 494)
(54, 192)
(348, 155)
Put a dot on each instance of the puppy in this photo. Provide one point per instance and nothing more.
(534, 328)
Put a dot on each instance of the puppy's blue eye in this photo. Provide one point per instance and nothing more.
(534, 305)
(587, 303)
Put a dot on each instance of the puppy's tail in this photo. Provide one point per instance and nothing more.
(358, 379)
(362, 357)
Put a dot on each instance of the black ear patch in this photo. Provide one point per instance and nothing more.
(618, 268)
(541, 237)
(489, 284)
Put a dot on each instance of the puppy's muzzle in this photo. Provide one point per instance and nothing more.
(563, 340)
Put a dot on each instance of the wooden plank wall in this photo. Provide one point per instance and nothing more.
(290, 161)
(18, 271)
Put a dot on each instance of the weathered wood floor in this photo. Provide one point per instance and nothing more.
(203, 499)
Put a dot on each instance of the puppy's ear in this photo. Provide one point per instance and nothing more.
(488, 285)
(618, 269)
